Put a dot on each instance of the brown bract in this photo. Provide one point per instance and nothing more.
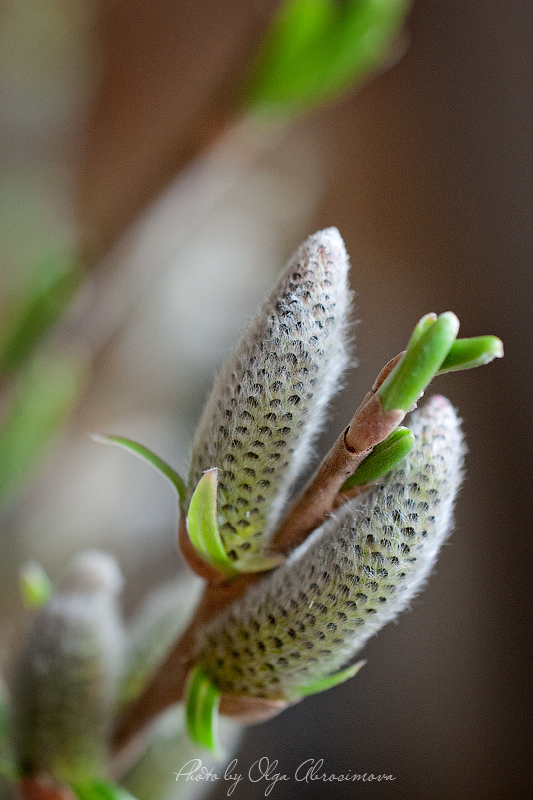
(197, 564)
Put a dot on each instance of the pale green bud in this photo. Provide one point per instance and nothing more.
(66, 676)
(269, 400)
(352, 576)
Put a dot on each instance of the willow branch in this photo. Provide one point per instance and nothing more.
(369, 426)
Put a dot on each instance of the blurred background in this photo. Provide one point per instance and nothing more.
(143, 216)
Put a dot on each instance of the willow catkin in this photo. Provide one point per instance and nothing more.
(269, 400)
(66, 675)
(351, 577)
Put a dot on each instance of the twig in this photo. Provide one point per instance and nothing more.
(369, 426)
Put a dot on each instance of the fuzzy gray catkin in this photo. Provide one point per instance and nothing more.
(269, 400)
(351, 577)
(65, 680)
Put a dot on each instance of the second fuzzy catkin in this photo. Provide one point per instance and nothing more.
(351, 577)
(268, 402)
(65, 680)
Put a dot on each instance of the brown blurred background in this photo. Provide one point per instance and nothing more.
(427, 172)
(430, 182)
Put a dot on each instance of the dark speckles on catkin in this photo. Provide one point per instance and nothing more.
(354, 575)
(269, 400)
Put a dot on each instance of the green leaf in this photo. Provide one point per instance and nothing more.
(202, 700)
(35, 586)
(101, 790)
(202, 525)
(44, 394)
(316, 49)
(331, 680)
(40, 311)
(382, 459)
(146, 455)
(470, 353)
(428, 347)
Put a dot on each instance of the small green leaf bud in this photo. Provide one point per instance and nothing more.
(383, 458)
(36, 587)
(429, 345)
(469, 353)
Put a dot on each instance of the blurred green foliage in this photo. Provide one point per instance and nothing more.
(43, 394)
(317, 49)
(45, 302)
(36, 588)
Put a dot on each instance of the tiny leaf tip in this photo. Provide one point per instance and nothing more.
(382, 459)
(202, 524)
(36, 588)
(422, 326)
(211, 476)
(202, 701)
(428, 346)
(147, 455)
(332, 680)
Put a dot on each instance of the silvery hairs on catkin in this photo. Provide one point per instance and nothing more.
(65, 679)
(269, 400)
(353, 575)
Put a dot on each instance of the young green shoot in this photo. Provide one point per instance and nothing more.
(202, 700)
(428, 347)
(382, 459)
(36, 587)
(147, 455)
